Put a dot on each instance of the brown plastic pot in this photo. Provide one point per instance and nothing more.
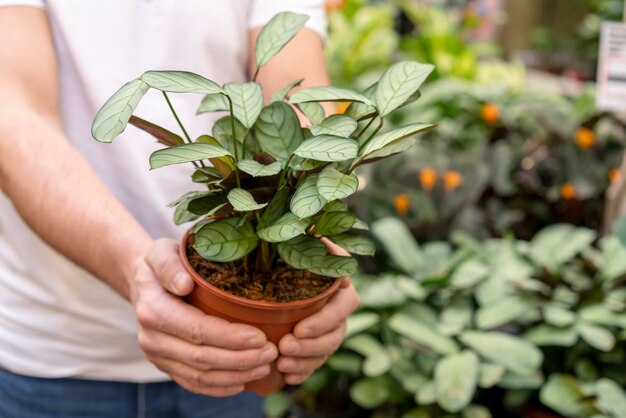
(275, 319)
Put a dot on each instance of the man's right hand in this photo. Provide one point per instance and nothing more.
(202, 353)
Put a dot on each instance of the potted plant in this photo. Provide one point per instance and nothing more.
(273, 190)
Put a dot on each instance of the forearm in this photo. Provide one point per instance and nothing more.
(63, 201)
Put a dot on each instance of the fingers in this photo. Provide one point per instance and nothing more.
(164, 260)
(335, 312)
(301, 366)
(325, 345)
(333, 248)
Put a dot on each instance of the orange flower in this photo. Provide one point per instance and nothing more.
(568, 191)
(342, 107)
(333, 5)
(490, 113)
(614, 175)
(402, 204)
(452, 180)
(585, 138)
(427, 178)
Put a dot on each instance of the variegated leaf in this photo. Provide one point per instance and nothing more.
(338, 125)
(327, 94)
(247, 101)
(389, 138)
(213, 103)
(398, 83)
(302, 252)
(225, 241)
(243, 201)
(256, 169)
(328, 148)
(180, 82)
(185, 153)
(281, 94)
(306, 201)
(333, 185)
(354, 244)
(285, 228)
(276, 34)
(278, 130)
(333, 223)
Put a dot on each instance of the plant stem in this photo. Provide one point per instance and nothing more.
(366, 127)
(369, 138)
(167, 99)
(284, 174)
(256, 74)
(232, 128)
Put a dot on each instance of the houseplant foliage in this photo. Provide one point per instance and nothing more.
(273, 188)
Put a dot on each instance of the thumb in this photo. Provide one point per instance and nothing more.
(164, 260)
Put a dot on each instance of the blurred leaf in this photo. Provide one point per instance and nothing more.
(598, 337)
(476, 411)
(558, 316)
(415, 330)
(276, 405)
(563, 394)
(500, 313)
(346, 362)
(611, 398)
(545, 335)
(469, 274)
(399, 243)
(370, 392)
(613, 261)
(382, 292)
(456, 376)
(455, 317)
(360, 321)
(555, 245)
(619, 229)
(490, 374)
(427, 394)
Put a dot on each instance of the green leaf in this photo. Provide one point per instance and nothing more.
(180, 82)
(302, 252)
(203, 205)
(215, 102)
(225, 241)
(456, 376)
(314, 112)
(333, 223)
(377, 360)
(389, 138)
(427, 394)
(185, 153)
(206, 175)
(370, 392)
(338, 125)
(275, 209)
(336, 266)
(183, 215)
(247, 101)
(476, 411)
(276, 34)
(555, 245)
(111, 119)
(469, 274)
(619, 229)
(354, 244)
(388, 150)
(307, 201)
(545, 335)
(162, 135)
(277, 404)
(281, 94)
(611, 398)
(501, 312)
(517, 355)
(327, 94)
(598, 337)
(222, 130)
(556, 315)
(415, 330)
(278, 130)
(256, 169)
(334, 185)
(243, 201)
(490, 375)
(284, 229)
(563, 394)
(327, 148)
(360, 322)
(399, 243)
(398, 83)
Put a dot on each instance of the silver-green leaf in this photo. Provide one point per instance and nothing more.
(398, 83)
(247, 101)
(276, 34)
(456, 377)
(388, 138)
(314, 112)
(327, 148)
(336, 266)
(185, 153)
(307, 201)
(419, 332)
(333, 223)
(284, 229)
(338, 125)
(278, 130)
(281, 94)
(354, 244)
(256, 169)
(113, 116)
(327, 94)
(302, 252)
(243, 201)
(334, 185)
(225, 240)
(215, 102)
(180, 82)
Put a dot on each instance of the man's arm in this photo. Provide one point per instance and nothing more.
(316, 337)
(63, 200)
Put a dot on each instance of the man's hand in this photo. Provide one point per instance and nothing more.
(202, 353)
(318, 336)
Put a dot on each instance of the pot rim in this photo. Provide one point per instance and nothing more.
(249, 302)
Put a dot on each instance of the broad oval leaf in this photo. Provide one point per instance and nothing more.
(243, 201)
(276, 34)
(327, 148)
(338, 125)
(278, 130)
(333, 223)
(517, 355)
(564, 394)
(360, 322)
(180, 82)
(333, 185)
(306, 201)
(354, 244)
(281, 94)
(275, 209)
(247, 101)
(336, 266)
(557, 244)
(314, 112)
(501, 312)
(456, 377)
(256, 169)
(302, 252)
(370, 392)
(113, 116)
(391, 137)
(377, 360)
(417, 331)
(398, 83)
(598, 337)
(284, 229)
(327, 94)
(185, 153)
(215, 102)
(206, 205)
(162, 135)
(611, 397)
(225, 240)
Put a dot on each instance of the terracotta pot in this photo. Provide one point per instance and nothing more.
(274, 319)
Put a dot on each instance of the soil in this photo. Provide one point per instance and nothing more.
(281, 285)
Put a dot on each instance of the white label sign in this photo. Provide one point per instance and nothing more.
(611, 85)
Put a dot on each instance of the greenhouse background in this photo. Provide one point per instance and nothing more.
(498, 286)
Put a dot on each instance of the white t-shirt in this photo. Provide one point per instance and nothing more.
(56, 320)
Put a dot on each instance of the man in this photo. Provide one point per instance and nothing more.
(78, 219)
